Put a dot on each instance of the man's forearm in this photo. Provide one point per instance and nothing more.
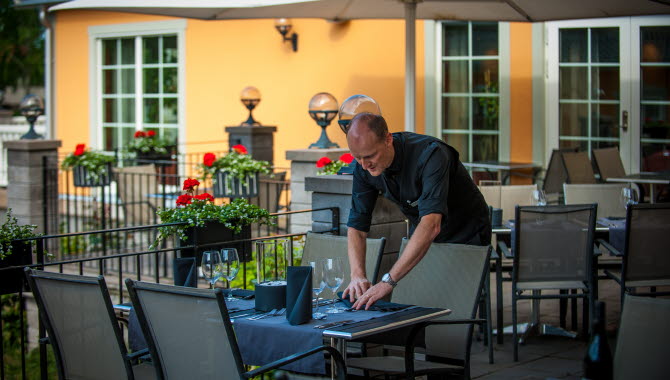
(356, 244)
(418, 245)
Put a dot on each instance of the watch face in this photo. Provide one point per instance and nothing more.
(386, 277)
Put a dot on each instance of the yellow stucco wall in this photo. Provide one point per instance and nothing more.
(222, 57)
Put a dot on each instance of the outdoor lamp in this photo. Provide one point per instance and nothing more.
(283, 26)
(323, 108)
(250, 97)
(354, 105)
(31, 107)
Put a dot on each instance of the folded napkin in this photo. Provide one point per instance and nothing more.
(270, 295)
(183, 270)
(245, 294)
(298, 295)
(380, 305)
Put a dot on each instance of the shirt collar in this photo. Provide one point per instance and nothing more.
(396, 164)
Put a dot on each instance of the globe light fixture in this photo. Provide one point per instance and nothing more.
(323, 109)
(354, 105)
(284, 26)
(31, 108)
(250, 97)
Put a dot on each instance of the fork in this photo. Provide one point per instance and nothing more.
(260, 316)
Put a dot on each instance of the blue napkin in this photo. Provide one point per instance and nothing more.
(183, 270)
(380, 305)
(298, 295)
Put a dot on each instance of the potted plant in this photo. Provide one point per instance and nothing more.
(329, 166)
(205, 222)
(234, 175)
(89, 168)
(14, 253)
(147, 146)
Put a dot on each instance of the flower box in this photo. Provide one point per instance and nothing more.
(227, 185)
(83, 178)
(215, 232)
(13, 280)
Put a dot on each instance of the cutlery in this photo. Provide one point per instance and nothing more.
(263, 315)
(333, 324)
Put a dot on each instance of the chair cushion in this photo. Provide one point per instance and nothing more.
(144, 371)
(396, 365)
(550, 285)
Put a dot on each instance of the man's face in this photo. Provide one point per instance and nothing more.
(373, 154)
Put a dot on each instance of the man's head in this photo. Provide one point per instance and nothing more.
(371, 143)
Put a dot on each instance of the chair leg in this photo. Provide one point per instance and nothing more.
(586, 311)
(514, 333)
(489, 328)
(574, 310)
(499, 301)
(563, 308)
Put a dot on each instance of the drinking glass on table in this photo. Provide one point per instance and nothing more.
(230, 264)
(211, 266)
(538, 198)
(333, 275)
(628, 197)
(318, 285)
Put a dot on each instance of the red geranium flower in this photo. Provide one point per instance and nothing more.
(139, 134)
(239, 148)
(80, 149)
(184, 200)
(347, 158)
(189, 184)
(205, 197)
(323, 161)
(151, 133)
(209, 159)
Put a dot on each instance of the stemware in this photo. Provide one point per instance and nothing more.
(628, 197)
(333, 275)
(211, 266)
(318, 285)
(230, 265)
(538, 198)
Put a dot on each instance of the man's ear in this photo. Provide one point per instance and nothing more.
(389, 139)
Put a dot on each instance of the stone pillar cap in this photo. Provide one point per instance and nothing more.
(31, 145)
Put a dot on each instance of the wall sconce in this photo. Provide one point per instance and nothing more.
(31, 108)
(250, 97)
(283, 26)
(323, 109)
(354, 105)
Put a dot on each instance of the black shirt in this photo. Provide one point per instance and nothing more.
(425, 177)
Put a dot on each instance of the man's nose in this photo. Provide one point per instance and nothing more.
(364, 163)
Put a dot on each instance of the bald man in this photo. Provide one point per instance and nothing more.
(425, 178)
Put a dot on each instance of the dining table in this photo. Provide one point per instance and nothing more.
(650, 178)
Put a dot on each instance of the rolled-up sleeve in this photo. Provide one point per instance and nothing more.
(435, 182)
(363, 200)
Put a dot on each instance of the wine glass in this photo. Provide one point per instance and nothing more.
(318, 285)
(230, 265)
(333, 275)
(211, 266)
(538, 198)
(628, 197)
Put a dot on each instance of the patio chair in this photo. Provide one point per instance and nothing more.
(553, 250)
(607, 161)
(606, 195)
(134, 186)
(643, 336)
(556, 174)
(82, 328)
(645, 259)
(578, 168)
(449, 276)
(190, 335)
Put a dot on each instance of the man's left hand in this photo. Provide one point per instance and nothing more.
(373, 295)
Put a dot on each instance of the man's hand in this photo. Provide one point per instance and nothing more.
(373, 295)
(357, 287)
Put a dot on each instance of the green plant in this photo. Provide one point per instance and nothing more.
(237, 163)
(329, 166)
(149, 142)
(94, 162)
(11, 230)
(489, 104)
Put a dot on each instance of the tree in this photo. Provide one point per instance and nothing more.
(21, 47)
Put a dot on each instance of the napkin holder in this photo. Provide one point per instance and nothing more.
(270, 295)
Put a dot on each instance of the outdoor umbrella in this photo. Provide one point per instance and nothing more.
(410, 10)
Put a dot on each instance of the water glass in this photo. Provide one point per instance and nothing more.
(538, 198)
(230, 265)
(333, 275)
(211, 266)
(318, 285)
(628, 197)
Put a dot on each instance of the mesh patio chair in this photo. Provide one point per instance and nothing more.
(607, 162)
(190, 335)
(642, 340)
(556, 174)
(553, 250)
(606, 195)
(449, 276)
(82, 328)
(578, 167)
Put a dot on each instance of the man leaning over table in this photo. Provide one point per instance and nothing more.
(425, 178)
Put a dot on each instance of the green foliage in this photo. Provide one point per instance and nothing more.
(21, 47)
(94, 162)
(237, 164)
(332, 168)
(11, 230)
(143, 143)
(490, 105)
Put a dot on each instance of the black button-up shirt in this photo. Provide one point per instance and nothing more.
(425, 177)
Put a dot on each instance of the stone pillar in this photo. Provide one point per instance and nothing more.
(259, 140)
(303, 164)
(25, 189)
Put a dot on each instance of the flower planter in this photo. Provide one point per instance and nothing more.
(215, 232)
(82, 177)
(226, 185)
(13, 280)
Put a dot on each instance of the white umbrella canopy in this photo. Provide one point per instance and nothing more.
(410, 10)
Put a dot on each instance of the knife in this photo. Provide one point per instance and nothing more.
(333, 324)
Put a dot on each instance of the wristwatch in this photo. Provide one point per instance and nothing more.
(387, 279)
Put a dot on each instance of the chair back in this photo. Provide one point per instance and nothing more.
(578, 167)
(647, 240)
(553, 243)
(449, 276)
(643, 336)
(606, 195)
(134, 184)
(607, 162)
(510, 197)
(556, 174)
(188, 331)
(80, 322)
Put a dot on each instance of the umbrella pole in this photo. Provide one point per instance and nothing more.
(410, 65)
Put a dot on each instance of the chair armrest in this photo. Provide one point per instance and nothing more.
(335, 355)
(137, 354)
(596, 250)
(609, 247)
(502, 246)
(494, 255)
(45, 340)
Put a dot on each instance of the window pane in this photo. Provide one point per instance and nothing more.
(455, 113)
(484, 147)
(150, 81)
(655, 157)
(127, 134)
(605, 45)
(110, 138)
(485, 38)
(128, 81)
(460, 143)
(455, 39)
(150, 50)
(128, 110)
(170, 134)
(170, 49)
(109, 110)
(455, 74)
(605, 120)
(170, 110)
(655, 83)
(574, 119)
(603, 144)
(655, 121)
(109, 52)
(573, 82)
(170, 82)
(605, 83)
(128, 51)
(573, 45)
(485, 113)
(485, 76)
(581, 145)
(655, 42)
(151, 110)
(109, 81)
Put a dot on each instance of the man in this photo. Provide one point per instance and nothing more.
(425, 178)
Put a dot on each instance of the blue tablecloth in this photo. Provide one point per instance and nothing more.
(617, 232)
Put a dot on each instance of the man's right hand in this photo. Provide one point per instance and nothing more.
(356, 288)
